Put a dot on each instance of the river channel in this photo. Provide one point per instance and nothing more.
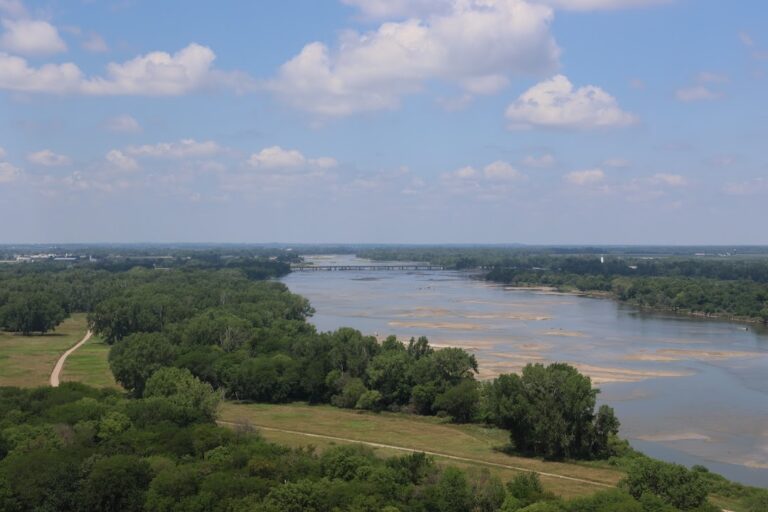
(686, 390)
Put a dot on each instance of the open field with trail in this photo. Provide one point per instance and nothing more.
(27, 361)
(475, 443)
(89, 365)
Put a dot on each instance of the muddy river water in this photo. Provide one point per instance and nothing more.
(686, 390)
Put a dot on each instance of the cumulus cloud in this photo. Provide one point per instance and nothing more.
(595, 5)
(94, 43)
(13, 8)
(393, 9)
(476, 44)
(555, 103)
(670, 180)
(8, 172)
(541, 161)
(121, 161)
(398, 9)
(702, 90)
(48, 158)
(154, 74)
(697, 93)
(586, 177)
(276, 158)
(123, 124)
(185, 148)
(31, 37)
(747, 188)
(501, 171)
(496, 181)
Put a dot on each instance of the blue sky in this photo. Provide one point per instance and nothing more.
(419, 121)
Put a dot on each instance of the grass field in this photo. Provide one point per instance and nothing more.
(27, 361)
(415, 432)
(89, 365)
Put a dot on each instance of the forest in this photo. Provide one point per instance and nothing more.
(76, 448)
(185, 337)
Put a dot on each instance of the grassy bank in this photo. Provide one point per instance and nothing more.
(27, 361)
(421, 433)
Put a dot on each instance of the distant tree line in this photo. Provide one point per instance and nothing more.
(36, 297)
(732, 287)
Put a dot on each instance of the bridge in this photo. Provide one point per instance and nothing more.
(364, 268)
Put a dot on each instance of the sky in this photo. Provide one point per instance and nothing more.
(384, 121)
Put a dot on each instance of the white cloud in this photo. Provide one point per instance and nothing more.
(153, 74)
(123, 124)
(157, 73)
(94, 43)
(463, 173)
(122, 161)
(555, 103)
(701, 91)
(8, 172)
(477, 44)
(501, 171)
(13, 8)
(48, 158)
(16, 75)
(710, 77)
(670, 180)
(276, 157)
(747, 188)
(587, 177)
(390, 9)
(746, 39)
(398, 9)
(185, 148)
(697, 93)
(2, 153)
(594, 5)
(31, 37)
(541, 161)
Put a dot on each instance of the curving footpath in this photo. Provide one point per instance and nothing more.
(413, 450)
(60, 363)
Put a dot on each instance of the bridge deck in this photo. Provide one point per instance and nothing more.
(307, 268)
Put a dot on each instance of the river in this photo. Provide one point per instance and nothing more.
(686, 390)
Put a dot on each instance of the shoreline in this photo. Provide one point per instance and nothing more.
(596, 294)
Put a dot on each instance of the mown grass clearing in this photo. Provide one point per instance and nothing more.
(27, 361)
(89, 365)
(414, 432)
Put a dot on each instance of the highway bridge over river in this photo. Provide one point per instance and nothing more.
(365, 268)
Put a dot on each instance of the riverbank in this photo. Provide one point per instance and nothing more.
(600, 294)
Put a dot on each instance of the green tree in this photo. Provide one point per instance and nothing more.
(453, 492)
(673, 483)
(34, 312)
(115, 484)
(550, 411)
(134, 359)
(185, 392)
(460, 401)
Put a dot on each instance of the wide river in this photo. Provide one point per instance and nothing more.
(686, 390)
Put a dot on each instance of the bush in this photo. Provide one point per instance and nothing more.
(673, 483)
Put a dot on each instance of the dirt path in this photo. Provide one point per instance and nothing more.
(412, 450)
(60, 363)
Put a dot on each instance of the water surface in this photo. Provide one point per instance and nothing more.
(686, 390)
